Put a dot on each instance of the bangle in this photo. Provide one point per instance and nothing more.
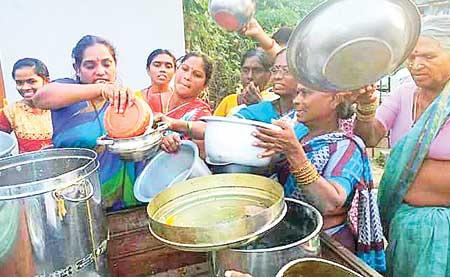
(307, 174)
(189, 128)
(364, 117)
(367, 109)
(271, 46)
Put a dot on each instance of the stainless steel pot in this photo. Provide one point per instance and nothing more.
(346, 44)
(135, 148)
(232, 15)
(296, 236)
(51, 216)
(7, 144)
(221, 168)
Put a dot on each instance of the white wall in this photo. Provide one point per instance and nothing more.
(49, 29)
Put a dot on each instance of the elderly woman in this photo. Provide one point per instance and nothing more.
(414, 194)
(255, 75)
(160, 68)
(78, 107)
(31, 125)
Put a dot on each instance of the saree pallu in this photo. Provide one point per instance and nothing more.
(77, 127)
(413, 230)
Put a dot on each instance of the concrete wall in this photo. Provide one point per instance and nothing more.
(49, 29)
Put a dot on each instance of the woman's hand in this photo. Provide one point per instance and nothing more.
(280, 141)
(171, 143)
(365, 95)
(250, 95)
(234, 273)
(119, 97)
(252, 29)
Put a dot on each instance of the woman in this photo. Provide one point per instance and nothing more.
(78, 108)
(414, 193)
(31, 125)
(160, 68)
(330, 170)
(255, 75)
(191, 78)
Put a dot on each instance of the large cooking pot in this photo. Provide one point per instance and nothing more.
(296, 236)
(230, 140)
(232, 15)
(346, 44)
(315, 267)
(7, 144)
(166, 169)
(52, 221)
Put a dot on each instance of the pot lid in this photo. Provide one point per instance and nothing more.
(132, 121)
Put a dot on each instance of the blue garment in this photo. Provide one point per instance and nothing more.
(266, 112)
(74, 127)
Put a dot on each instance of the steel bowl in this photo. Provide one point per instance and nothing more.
(215, 212)
(315, 267)
(135, 148)
(232, 15)
(347, 44)
(7, 144)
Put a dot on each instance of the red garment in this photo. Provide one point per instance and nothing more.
(189, 111)
(32, 126)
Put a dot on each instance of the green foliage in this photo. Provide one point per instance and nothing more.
(225, 48)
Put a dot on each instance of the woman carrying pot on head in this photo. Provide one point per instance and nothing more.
(31, 125)
(160, 68)
(255, 75)
(78, 108)
(330, 170)
(414, 192)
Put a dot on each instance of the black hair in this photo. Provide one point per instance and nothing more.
(87, 41)
(345, 110)
(281, 36)
(207, 63)
(39, 67)
(265, 60)
(157, 52)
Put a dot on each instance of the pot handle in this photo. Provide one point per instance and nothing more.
(104, 142)
(85, 191)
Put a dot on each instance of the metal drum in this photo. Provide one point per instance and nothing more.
(296, 236)
(7, 144)
(51, 218)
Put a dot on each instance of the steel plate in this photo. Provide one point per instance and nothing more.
(215, 212)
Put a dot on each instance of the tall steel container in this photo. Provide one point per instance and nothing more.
(51, 218)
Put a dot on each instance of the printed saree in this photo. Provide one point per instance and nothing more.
(418, 236)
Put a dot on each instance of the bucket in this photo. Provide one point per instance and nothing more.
(52, 221)
(166, 169)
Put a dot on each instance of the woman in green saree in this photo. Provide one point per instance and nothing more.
(414, 193)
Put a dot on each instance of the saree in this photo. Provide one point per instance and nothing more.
(78, 126)
(353, 163)
(418, 236)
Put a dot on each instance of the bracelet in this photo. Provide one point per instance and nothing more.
(367, 109)
(307, 174)
(364, 117)
(189, 128)
(271, 46)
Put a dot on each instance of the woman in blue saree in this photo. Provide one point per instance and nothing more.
(414, 193)
(78, 107)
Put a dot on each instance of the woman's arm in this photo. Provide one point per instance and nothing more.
(57, 95)
(432, 185)
(327, 196)
(254, 30)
